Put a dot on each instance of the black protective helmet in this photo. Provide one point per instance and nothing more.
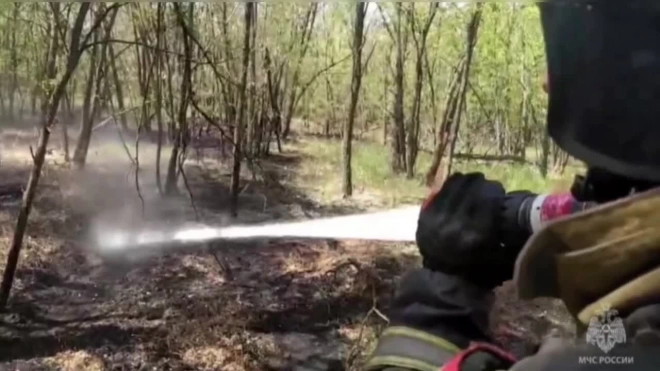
(604, 77)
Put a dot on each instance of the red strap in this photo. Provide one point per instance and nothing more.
(456, 364)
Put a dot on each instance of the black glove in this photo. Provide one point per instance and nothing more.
(458, 231)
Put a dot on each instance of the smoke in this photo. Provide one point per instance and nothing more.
(116, 196)
(130, 221)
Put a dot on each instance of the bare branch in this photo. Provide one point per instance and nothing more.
(97, 23)
(317, 75)
(385, 22)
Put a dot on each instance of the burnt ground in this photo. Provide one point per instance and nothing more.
(287, 305)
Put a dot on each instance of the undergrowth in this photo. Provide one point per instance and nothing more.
(321, 173)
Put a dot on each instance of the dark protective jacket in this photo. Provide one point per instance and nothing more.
(432, 319)
(440, 322)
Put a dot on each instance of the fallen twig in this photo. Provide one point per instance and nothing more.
(226, 269)
(357, 348)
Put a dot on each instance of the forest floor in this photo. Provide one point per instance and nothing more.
(279, 306)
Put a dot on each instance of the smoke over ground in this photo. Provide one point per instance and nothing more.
(107, 195)
(116, 194)
(131, 225)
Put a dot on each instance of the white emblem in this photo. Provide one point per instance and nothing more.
(606, 330)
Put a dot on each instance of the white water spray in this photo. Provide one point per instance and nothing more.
(398, 225)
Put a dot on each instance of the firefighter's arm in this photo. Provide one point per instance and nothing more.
(441, 309)
(434, 318)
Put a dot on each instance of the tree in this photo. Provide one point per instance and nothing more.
(95, 86)
(49, 110)
(356, 81)
(242, 101)
(400, 38)
(448, 133)
(305, 37)
(419, 37)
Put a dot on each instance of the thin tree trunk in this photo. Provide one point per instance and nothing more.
(399, 129)
(420, 46)
(448, 133)
(13, 60)
(49, 114)
(310, 19)
(158, 106)
(356, 82)
(65, 126)
(386, 113)
(119, 91)
(254, 98)
(86, 123)
(182, 133)
(472, 38)
(94, 91)
(331, 101)
(230, 95)
(276, 114)
(545, 155)
(238, 136)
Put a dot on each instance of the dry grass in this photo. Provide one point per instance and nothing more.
(76, 361)
(329, 274)
(44, 234)
(320, 174)
(209, 358)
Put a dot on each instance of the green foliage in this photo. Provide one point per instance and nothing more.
(505, 111)
(507, 73)
(320, 174)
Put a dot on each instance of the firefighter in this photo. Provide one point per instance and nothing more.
(604, 86)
